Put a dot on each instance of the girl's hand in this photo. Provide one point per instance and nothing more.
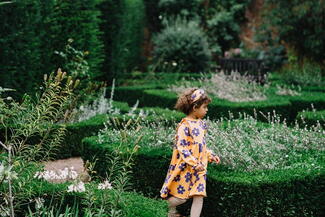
(216, 159)
(199, 167)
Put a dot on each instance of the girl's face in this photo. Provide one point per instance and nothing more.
(201, 111)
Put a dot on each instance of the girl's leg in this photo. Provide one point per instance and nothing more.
(196, 206)
(172, 203)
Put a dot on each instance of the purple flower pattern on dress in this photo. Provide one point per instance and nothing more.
(196, 132)
(200, 188)
(187, 131)
(188, 177)
(180, 189)
(165, 190)
(184, 142)
(186, 153)
(203, 125)
(196, 174)
(182, 166)
(167, 179)
(177, 178)
(200, 147)
(171, 167)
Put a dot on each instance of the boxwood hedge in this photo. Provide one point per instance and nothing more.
(230, 193)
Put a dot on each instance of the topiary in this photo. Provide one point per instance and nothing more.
(181, 46)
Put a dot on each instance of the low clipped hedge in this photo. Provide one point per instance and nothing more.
(71, 146)
(287, 106)
(230, 192)
(56, 194)
(312, 117)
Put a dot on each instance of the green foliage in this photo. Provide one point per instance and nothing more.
(28, 129)
(287, 106)
(310, 74)
(77, 20)
(179, 7)
(222, 21)
(27, 126)
(31, 31)
(181, 46)
(123, 24)
(55, 199)
(21, 53)
(74, 61)
(270, 192)
(299, 23)
(312, 117)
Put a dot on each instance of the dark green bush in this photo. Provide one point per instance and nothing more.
(230, 192)
(181, 47)
(20, 42)
(123, 27)
(300, 24)
(31, 31)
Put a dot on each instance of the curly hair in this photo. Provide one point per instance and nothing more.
(185, 104)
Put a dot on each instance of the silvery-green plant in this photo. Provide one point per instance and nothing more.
(99, 106)
(244, 143)
(234, 87)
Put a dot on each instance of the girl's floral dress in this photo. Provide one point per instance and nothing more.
(189, 150)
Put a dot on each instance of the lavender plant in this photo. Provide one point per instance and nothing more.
(245, 144)
(233, 87)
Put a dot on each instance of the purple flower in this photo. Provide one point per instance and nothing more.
(200, 188)
(167, 178)
(186, 153)
(196, 131)
(187, 131)
(184, 142)
(182, 166)
(171, 167)
(188, 177)
(200, 147)
(165, 190)
(203, 125)
(193, 96)
(180, 189)
(177, 178)
(196, 174)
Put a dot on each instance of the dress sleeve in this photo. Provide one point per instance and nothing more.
(183, 144)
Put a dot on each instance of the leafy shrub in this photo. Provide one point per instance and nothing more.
(299, 24)
(181, 46)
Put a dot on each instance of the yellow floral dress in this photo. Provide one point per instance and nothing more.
(182, 180)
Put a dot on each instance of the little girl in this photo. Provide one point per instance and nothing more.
(186, 176)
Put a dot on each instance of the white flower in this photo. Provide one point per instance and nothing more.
(64, 174)
(39, 203)
(77, 187)
(105, 185)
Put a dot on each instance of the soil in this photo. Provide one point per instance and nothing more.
(75, 162)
